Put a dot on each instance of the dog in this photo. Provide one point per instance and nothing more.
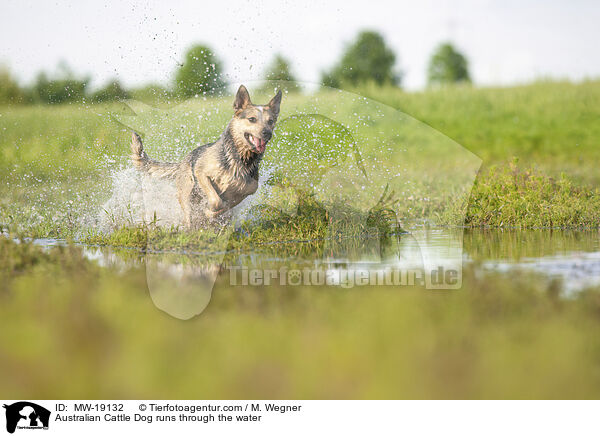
(213, 178)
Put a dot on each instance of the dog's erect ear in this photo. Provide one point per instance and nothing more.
(242, 99)
(275, 102)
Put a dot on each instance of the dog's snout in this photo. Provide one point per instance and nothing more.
(266, 133)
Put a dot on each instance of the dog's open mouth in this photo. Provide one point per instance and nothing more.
(258, 143)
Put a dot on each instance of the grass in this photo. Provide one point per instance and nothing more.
(503, 197)
(56, 162)
(547, 124)
(78, 330)
(509, 196)
(311, 223)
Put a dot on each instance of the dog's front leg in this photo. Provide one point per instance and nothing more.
(216, 204)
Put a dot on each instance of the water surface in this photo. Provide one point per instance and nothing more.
(181, 283)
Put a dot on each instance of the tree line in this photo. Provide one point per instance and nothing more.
(368, 59)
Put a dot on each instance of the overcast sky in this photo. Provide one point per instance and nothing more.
(505, 41)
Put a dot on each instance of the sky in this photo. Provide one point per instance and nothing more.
(506, 42)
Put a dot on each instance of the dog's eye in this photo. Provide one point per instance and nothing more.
(270, 122)
(252, 119)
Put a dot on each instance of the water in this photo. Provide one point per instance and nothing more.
(181, 283)
(571, 257)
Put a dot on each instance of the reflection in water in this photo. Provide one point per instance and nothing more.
(570, 256)
(181, 284)
(182, 290)
(576, 271)
(514, 245)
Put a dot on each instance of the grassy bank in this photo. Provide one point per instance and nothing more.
(510, 196)
(78, 330)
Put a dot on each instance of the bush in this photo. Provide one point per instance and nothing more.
(279, 72)
(152, 94)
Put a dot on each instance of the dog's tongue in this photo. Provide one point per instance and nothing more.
(260, 144)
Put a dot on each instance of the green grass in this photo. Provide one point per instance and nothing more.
(503, 197)
(548, 124)
(56, 162)
(311, 223)
(509, 196)
(78, 330)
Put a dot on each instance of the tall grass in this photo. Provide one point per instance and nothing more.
(548, 124)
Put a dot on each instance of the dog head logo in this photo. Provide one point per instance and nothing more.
(26, 415)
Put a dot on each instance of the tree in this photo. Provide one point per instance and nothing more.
(112, 91)
(447, 65)
(10, 92)
(279, 71)
(368, 59)
(200, 73)
(63, 87)
(58, 90)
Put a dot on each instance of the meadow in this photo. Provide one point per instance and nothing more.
(549, 125)
(513, 165)
(536, 144)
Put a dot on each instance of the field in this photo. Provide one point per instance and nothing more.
(548, 125)
(542, 138)
(513, 165)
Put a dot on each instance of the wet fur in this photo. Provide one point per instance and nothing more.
(215, 177)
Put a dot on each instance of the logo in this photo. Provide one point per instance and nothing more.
(26, 415)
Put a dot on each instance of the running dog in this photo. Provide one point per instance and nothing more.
(215, 177)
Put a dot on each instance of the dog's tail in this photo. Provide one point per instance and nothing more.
(141, 161)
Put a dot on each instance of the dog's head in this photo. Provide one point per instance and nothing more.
(252, 125)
